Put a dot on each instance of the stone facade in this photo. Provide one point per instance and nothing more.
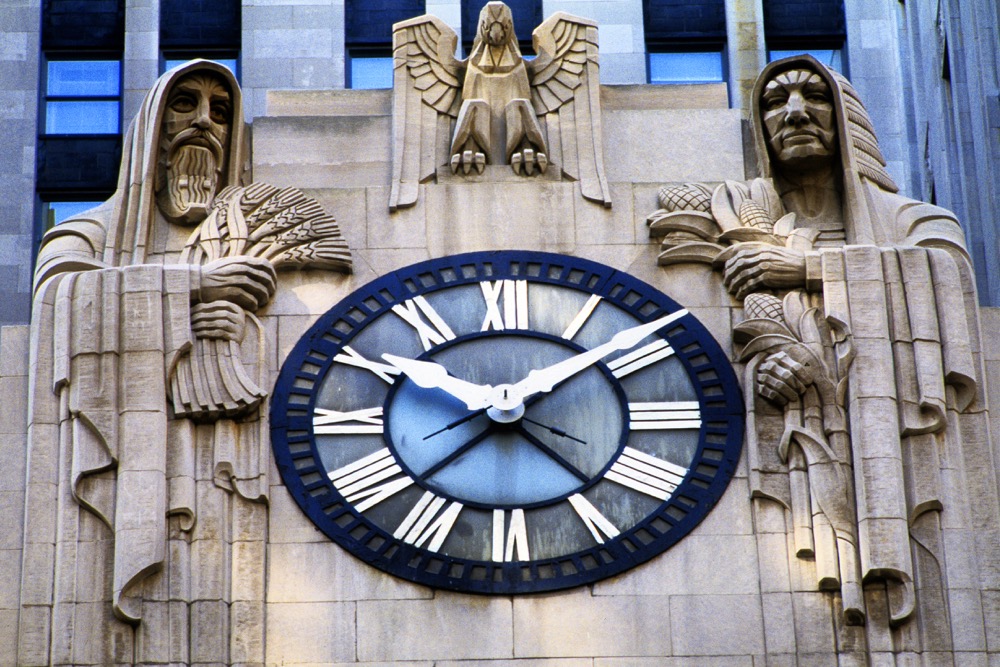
(254, 582)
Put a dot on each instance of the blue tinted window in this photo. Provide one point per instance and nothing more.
(81, 117)
(686, 67)
(55, 212)
(371, 72)
(84, 78)
(83, 97)
(829, 57)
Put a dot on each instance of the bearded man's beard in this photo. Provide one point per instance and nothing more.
(186, 193)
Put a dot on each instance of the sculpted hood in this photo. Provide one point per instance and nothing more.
(134, 201)
(862, 163)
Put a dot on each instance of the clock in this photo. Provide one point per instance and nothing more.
(506, 422)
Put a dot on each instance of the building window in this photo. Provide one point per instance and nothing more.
(230, 61)
(685, 41)
(686, 66)
(792, 27)
(368, 38)
(83, 97)
(829, 57)
(54, 212)
(369, 68)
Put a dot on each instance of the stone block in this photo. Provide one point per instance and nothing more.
(348, 206)
(716, 625)
(574, 624)
(310, 633)
(329, 103)
(773, 550)
(310, 293)
(779, 622)
(599, 225)
(209, 628)
(686, 570)
(540, 662)
(14, 346)
(636, 97)
(704, 661)
(379, 262)
(315, 152)
(8, 637)
(11, 519)
(438, 629)
(288, 524)
(814, 626)
(493, 216)
(674, 145)
(293, 569)
(967, 615)
(403, 228)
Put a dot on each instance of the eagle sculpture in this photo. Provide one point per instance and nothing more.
(495, 107)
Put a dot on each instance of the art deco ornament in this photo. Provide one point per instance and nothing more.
(540, 117)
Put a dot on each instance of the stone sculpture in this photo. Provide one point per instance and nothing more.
(495, 108)
(148, 437)
(861, 344)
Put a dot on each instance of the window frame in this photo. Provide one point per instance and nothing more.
(45, 98)
(686, 46)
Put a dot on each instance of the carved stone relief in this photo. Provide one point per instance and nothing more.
(542, 118)
(861, 347)
(148, 432)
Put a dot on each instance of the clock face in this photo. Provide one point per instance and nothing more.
(506, 422)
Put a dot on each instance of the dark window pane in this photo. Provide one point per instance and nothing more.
(370, 21)
(84, 117)
(684, 19)
(84, 78)
(78, 164)
(685, 67)
(200, 24)
(83, 25)
(371, 72)
(796, 18)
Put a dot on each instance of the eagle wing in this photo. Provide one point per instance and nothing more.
(427, 86)
(566, 95)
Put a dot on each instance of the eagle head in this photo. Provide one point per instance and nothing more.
(496, 24)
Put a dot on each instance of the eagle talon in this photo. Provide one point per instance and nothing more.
(526, 162)
(466, 161)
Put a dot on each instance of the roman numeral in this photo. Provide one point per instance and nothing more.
(333, 422)
(512, 544)
(352, 358)
(514, 313)
(433, 331)
(667, 415)
(637, 359)
(357, 481)
(596, 523)
(581, 317)
(427, 521)
(646, 474)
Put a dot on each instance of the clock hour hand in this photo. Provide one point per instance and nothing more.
(431, 375)
(544, 379)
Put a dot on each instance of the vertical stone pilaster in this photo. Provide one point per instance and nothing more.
(873, 66)
(621, 34)
(19, 53)
(747, 49)
(141, 64)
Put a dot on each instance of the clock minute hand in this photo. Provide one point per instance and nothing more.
(544, 379)
(431, 375)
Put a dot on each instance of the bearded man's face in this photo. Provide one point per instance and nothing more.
(194, 146)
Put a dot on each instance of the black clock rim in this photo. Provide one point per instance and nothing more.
(721, 432)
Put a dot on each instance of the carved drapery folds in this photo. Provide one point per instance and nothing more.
(494, 109)
(150, 362)
(861, 345)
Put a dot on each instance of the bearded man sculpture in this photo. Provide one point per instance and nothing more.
(146, 409)
(861, 341)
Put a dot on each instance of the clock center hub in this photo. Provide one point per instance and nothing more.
(507, 406)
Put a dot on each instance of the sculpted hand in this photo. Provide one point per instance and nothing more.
(781, 379)
(218, 319)
(247, 282)
(751, 269)
(543, 380)
(430, 375)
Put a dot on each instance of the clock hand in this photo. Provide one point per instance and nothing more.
(554, 431)
(458, 452)
(544, 379)
(431, 375)
(458, 422)
(551, 453)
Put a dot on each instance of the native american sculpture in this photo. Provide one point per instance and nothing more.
(861, 345)
(496, 108)
(148, 383)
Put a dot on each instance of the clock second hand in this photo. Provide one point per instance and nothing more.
(458, 422)
(554, 431)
